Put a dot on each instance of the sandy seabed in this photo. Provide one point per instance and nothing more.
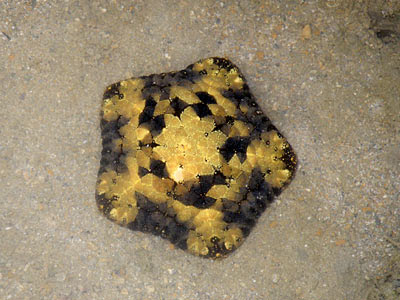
(325, 72)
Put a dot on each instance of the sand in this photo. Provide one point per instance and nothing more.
(325, 72)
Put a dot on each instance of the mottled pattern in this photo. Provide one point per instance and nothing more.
(190, 156)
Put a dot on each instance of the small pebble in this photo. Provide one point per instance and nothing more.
(275, 278)
(306, 32)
